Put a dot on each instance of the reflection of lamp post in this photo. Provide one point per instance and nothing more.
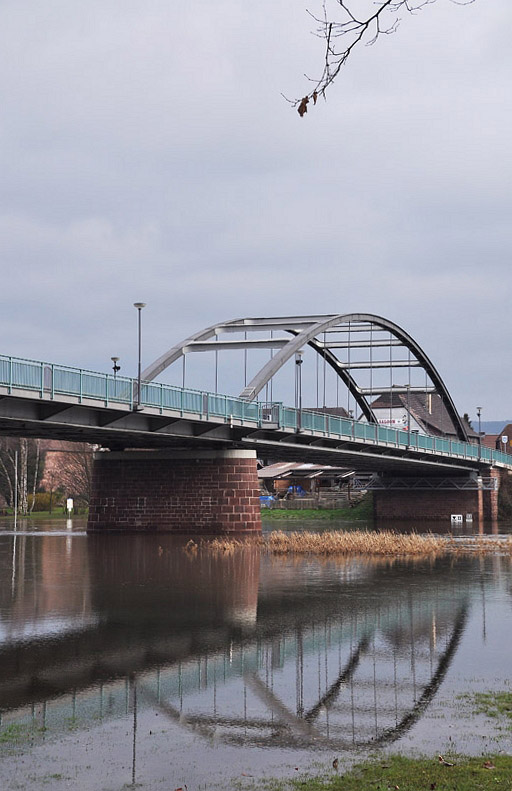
(298, 387)
(139, 306)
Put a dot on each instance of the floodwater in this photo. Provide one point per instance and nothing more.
(130, 661)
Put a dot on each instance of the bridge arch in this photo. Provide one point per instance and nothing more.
(327, 335)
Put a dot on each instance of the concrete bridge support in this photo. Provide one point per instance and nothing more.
(208, 492)
(431, 504)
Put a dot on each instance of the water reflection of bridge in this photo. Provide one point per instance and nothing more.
(238, 649)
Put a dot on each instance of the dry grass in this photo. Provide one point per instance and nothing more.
(357, 542)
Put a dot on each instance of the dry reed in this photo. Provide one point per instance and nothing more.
(357, 542)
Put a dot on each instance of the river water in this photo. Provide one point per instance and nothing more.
(131, 661)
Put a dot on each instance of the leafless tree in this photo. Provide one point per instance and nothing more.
(356, 23)
(69, 468)
(28, 469)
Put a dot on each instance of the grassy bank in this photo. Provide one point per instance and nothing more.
(56, 514)
(361, 511)
(409, 774)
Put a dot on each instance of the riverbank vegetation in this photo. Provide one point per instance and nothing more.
(353, 542)
(56, 513)
(361, 511)
(408, 774)
(333, 543)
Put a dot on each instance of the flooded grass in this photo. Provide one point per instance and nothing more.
(480, 544)
(497, 705)
(409, 774)
(14, 733)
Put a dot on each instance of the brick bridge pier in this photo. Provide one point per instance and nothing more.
(210, 492)
(476, 496)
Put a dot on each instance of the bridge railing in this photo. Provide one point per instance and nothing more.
(49, 380)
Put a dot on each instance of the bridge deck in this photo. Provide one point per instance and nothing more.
(42, 400)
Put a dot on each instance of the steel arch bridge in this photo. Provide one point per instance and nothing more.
(351, 344)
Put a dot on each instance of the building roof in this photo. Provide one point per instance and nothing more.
(300, 470)
(428, 409)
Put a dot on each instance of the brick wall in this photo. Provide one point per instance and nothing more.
(153, 491)
(436, 505)
(425, 506)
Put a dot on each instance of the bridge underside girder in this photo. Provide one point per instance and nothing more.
(439, 483)
(119, 427)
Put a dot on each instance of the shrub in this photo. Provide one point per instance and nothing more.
(42, 501)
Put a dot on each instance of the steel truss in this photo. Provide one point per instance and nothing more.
(335, 338)
(379, 482)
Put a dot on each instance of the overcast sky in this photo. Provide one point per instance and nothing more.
(147, 154)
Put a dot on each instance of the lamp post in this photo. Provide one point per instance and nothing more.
(408, 414)
(115, 367)
(408, 408)
(479, 413)
(139, 306)
(298, 387)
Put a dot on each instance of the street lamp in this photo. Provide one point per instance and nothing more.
(409, 414)
(115, 367)
(479, 413)
(298, 387)
(407, 388)
(139, 306)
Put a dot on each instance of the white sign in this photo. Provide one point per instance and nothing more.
(469, 517)
(456, 518)
(394, 421)
(504, 438)
(69, 505)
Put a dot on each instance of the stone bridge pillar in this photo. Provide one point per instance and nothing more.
(209, 492)
(431, 504)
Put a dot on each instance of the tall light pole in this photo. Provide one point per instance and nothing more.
(479, 413)
(408, 414)
(298, 387)
(139, 306)
(115, 367)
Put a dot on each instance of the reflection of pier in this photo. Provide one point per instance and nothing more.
(351, 656)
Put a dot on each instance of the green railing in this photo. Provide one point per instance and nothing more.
(50, 381)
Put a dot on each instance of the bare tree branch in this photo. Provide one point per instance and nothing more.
(348, 31)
